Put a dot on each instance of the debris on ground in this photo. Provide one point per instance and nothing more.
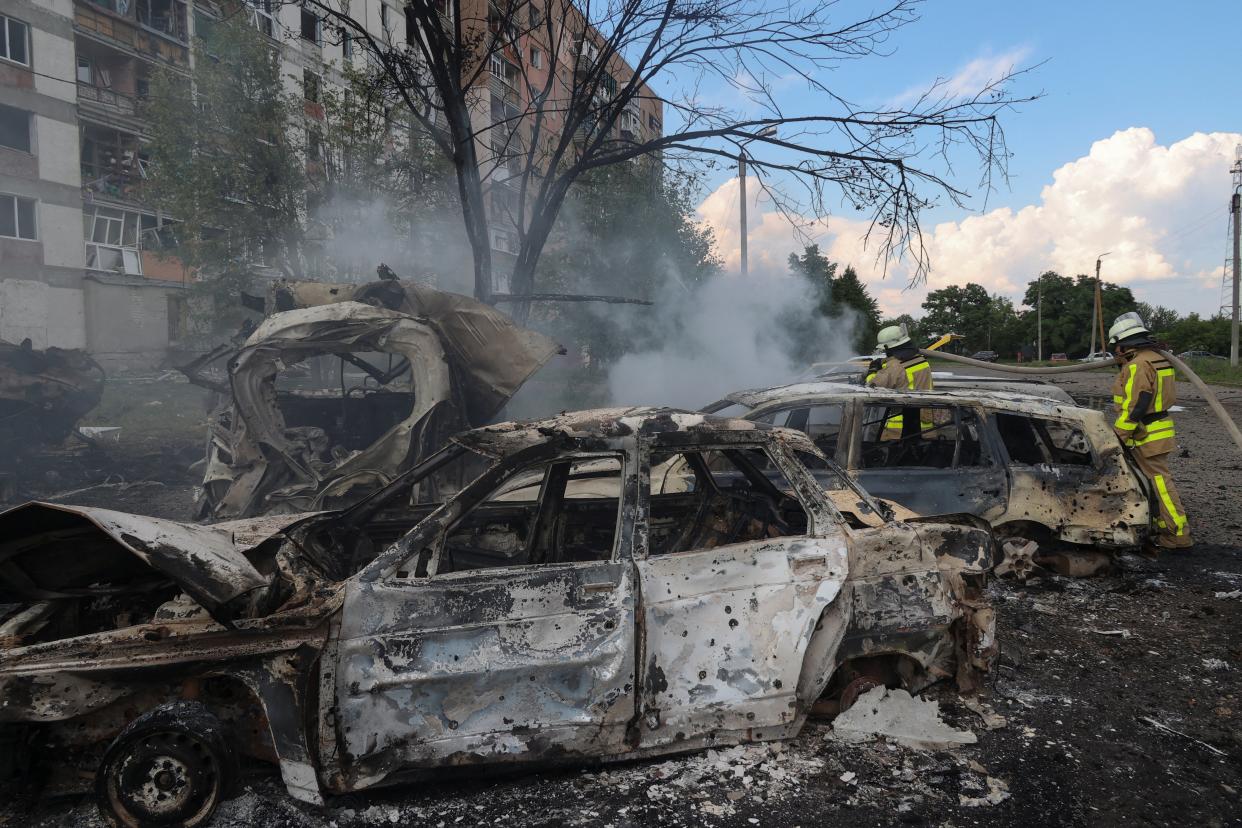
(998, 792)
(900, 718)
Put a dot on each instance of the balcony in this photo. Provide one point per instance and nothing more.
(159, 37)
(106, 101)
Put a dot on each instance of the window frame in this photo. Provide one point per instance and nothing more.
(305, 13)
(438, 542)
(17, 217)
(6, 24)
(987, 454)
(30, 141)
(1044, 449)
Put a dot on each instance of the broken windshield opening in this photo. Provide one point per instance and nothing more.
(353, 398)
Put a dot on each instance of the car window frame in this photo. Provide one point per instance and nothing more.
(988, 447)
(1096, 461)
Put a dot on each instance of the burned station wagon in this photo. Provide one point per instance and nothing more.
(1033, 467)
(613, 584)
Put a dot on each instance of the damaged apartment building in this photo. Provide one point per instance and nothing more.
(83, 262)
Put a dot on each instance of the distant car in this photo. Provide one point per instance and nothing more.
(1094, 356)
(1059, 358)
(1198, 355)
(985, 356)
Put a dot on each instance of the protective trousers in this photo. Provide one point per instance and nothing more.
(1172, 529)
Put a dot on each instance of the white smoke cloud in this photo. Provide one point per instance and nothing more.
(1156, 209)
(730, 334)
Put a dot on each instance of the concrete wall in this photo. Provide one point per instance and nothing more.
(48, 316)
(127, 324)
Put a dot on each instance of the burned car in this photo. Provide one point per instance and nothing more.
(1034, 468)
(343, 387)
(616, 584)
(43, 394)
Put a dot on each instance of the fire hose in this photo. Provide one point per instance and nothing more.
(1213, 402)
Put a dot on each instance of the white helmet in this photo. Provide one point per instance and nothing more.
(1126, 326)
(894, 336)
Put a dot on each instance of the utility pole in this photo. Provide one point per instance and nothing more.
(766, 132)
(1235, 208)
(1097, 317)
(1039, 316)
(741, 207)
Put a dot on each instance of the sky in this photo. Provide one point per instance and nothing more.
(1127, 152)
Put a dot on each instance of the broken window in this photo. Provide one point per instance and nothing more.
(17, 217)
(353, 398)
(261, 15)
(311, 86)
(164, 16)
(14, 128)
(702, 499)
(937, 437)
(112, 240)
(14, 36)
(1034, 441)
(563, 511)
(822, 423)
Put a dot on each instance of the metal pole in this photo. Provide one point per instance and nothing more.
(741, 177)
(1039, 315)
(1095, 305)
(1236, 207)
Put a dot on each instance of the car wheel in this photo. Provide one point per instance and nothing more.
(170, 767)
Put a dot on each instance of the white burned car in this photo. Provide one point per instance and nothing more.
(614, 584)
(1034, 467)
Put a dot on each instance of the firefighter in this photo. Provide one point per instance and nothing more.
(905, 369)
(1143, 393)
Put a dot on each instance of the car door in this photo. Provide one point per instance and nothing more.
(727, 605)
(952, 468)
(519, 644)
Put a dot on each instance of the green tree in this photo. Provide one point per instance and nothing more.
(838, 297)
(1194, 333)
(987, 321)
(1067, 312)
(225, 160)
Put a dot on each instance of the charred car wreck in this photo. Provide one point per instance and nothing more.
(344, 387)
(615, 584)
(43, 394)
(1038, 469)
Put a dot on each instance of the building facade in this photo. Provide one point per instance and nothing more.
(81, 257)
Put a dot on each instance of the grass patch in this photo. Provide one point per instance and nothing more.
(1216, 371)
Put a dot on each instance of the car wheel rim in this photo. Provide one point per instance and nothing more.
(164, 778)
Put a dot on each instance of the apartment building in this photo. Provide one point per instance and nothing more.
(82, 261)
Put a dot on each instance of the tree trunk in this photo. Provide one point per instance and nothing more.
(522, 282)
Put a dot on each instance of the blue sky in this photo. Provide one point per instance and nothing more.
(1139, 78)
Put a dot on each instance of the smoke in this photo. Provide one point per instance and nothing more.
(731, 333)
(363, 232)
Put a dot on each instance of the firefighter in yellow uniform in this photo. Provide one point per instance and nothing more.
(1143, 393)
(904, 368)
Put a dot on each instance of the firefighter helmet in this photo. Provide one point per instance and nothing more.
(1127, 326)
(894, 336)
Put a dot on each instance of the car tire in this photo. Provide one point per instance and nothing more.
(171, 767)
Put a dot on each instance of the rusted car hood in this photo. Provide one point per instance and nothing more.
(53, 550)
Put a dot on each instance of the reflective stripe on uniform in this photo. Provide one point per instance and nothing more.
(1161, 375)
(1179, 520)
(1123, 422)
(911, 370)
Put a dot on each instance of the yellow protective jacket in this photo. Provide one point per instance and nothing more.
(912, 375)
(1143, 392)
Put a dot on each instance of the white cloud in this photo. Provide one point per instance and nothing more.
(1155, 208)
(972, 78)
